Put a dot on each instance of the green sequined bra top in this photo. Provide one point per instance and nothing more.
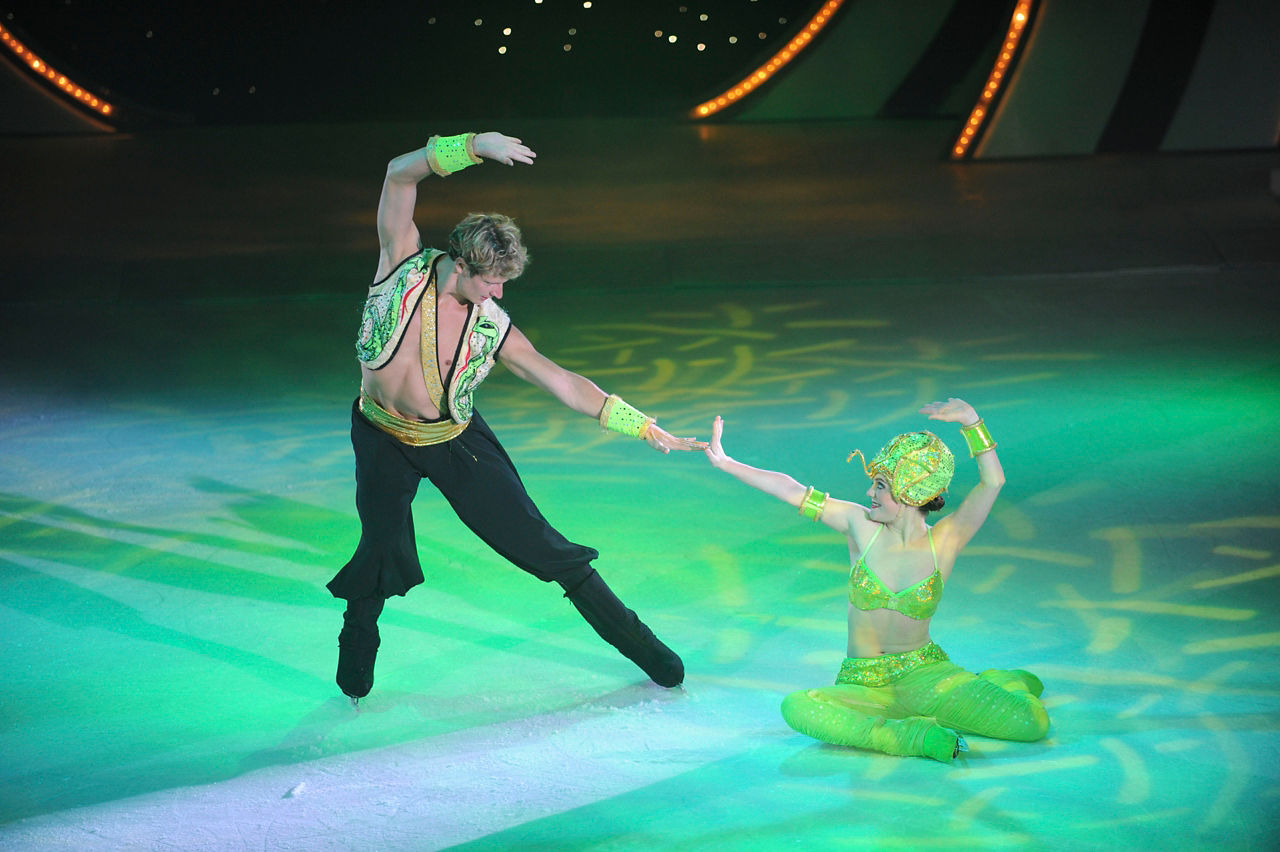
(919, 600)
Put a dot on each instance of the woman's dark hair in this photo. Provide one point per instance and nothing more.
(934, 505)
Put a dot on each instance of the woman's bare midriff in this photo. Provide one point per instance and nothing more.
(883, 631)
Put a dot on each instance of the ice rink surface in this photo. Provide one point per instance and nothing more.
(176, 488)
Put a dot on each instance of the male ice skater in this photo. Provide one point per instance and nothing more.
(430, 333)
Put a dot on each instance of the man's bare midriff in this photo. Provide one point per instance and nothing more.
(398, 386)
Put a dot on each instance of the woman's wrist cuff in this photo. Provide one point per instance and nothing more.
(978, 438)
(812, 505)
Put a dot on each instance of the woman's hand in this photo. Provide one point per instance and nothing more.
(952, 411)
(507, 150)
(714, 450)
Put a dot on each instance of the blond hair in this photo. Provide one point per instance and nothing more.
(489, 243)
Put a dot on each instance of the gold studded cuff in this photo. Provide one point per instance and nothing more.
(449, 154)
(618, 416)
(978, 438)
(812, 505)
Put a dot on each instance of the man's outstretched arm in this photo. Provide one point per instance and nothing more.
(584, 396)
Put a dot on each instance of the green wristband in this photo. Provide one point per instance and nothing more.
(618, 416)
(978, 438)
(811, 505)
(449, 154)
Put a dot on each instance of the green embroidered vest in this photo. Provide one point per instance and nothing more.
(387, 312)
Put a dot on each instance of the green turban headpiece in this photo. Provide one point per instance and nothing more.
(917, 465)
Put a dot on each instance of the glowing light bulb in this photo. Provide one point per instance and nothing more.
(774, 64)
(1017, 25)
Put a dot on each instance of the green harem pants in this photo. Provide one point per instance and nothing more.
(916, 703)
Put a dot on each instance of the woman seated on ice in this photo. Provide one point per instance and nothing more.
(898, 692)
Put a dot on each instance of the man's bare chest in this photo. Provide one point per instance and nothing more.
(443, 333)
(450, 321)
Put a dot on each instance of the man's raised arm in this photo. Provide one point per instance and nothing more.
(442, 155)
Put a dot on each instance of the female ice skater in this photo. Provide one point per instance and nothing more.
(897, 692)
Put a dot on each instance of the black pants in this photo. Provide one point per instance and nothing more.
(476, 476)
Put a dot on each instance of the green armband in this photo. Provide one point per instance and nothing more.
(449, 154)
(811, 505)
(617, 416)
(978, 438)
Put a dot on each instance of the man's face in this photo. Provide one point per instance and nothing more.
(477, 288)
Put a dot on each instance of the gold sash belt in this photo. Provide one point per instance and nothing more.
(415, 433)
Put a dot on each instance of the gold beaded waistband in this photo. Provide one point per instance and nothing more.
(415, 433)
(885, 669)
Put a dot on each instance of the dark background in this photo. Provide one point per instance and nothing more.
(328, 60)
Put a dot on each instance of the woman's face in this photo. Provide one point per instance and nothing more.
(883, 507)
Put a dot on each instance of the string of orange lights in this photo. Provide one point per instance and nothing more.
(996, 80)
(759, 76)
(58, 80)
